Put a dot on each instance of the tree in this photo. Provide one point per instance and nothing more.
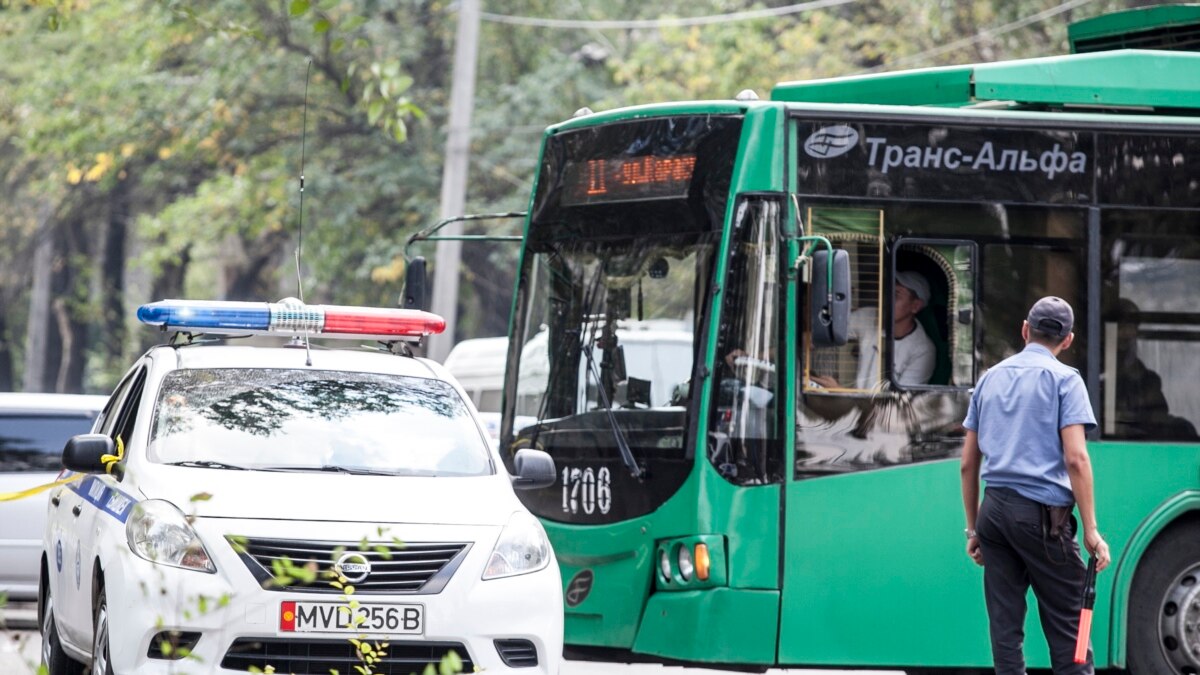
(165, 162)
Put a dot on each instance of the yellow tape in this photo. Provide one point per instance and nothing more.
(112, 460)
(13, 496)
(109, 461)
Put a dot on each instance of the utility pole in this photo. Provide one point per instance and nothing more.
(454, 176)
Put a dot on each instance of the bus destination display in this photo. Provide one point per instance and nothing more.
(627, 179)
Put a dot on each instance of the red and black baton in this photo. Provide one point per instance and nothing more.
(1085, 614)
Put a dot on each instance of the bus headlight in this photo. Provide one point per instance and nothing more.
(522, 548)
(686, 568)
(664, 565)
(159, 532)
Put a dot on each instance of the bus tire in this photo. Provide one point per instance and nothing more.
(1164, 606)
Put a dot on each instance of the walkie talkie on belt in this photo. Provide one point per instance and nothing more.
(1085, 613)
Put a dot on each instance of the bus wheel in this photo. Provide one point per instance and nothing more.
(1164, 607)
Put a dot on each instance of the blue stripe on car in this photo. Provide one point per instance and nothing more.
(104, 497)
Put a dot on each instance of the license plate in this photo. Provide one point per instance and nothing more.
(339, 617)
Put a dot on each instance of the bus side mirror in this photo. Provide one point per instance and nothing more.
(533, 469)
(829, 309)
(415, 296)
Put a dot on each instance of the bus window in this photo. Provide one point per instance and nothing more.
(852, 368)
(744, 439)
(1151, 353)
(1014, 277)
(1018, 270)
(933, 318)
(879, 413)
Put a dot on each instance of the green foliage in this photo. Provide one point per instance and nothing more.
(185, 135)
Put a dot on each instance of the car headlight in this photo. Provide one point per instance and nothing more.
(522, 548)
(160, 533)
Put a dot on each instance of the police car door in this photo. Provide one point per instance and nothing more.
(62, 542)
(102, 510)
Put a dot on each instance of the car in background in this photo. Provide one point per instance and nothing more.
(296, 510)
(33, 430)
(478, 365)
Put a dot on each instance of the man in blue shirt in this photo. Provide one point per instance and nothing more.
(1025, 428)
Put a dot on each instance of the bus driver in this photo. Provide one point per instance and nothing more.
(913, 353)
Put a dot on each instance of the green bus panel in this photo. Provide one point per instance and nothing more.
(622, 565)
(761, 158)
(721, 625)
(876, 573)
(1129, 78)
(929, 86)
(622, 562)
(1124, 78)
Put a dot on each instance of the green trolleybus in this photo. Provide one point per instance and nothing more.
(746, 476)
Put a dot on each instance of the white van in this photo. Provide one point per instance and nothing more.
(478, 365)
(656, 351)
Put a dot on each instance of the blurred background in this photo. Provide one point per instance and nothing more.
(151, 149)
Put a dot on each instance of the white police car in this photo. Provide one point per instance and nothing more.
(296, 509)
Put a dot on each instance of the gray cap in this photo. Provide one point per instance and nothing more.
(1052, 315)
(914, 282)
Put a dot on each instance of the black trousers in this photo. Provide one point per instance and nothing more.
(1018, 553)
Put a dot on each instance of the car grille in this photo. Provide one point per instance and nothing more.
(303, 657)
(416, 567)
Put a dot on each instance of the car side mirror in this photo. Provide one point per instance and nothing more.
(83, 452)
(829, 308)
(415, 293)
(533, 469)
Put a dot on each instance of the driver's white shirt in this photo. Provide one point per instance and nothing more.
(913, 355)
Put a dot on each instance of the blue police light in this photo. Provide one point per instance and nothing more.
(290, 317)
(204, 314)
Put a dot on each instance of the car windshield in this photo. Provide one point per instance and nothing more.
(34, 442)
(305, 420)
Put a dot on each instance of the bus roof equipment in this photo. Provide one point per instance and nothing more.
(1163, 27)
(1134, 59)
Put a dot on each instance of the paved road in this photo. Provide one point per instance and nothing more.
(19, 656)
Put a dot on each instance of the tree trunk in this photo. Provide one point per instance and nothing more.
(111, 276)
(72, 318)
(7, 382)
(41, 337)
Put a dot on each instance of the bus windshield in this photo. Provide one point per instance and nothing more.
(605, 362)
(616, 276)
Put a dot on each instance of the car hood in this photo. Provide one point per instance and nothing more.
(218, 493)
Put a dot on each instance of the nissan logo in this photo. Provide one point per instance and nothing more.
(577, 591)
(828, 142)
(354, 566)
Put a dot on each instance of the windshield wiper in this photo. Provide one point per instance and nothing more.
(209, 464)
(622, 443)
(335, 468)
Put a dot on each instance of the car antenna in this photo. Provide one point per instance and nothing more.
(300, 224)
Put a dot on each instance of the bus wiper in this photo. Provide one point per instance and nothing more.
(622, 443)
(208, 464)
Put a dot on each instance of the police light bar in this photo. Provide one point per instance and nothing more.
(290, 317)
